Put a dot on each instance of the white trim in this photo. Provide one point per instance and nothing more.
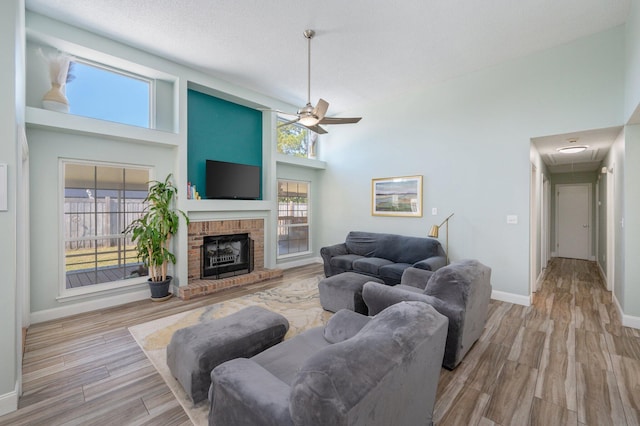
(517, 299)
(9, 402)
(627, 320)
(92, 305)
(299, 262)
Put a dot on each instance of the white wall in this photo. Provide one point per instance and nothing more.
(11, 118)
(470, 139)
(632, 82)
(630, 224)
(46, 149)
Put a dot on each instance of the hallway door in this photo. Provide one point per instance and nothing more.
(573, 233)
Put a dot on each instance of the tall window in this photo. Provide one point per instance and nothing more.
(99, 202)
(109, 94)
(296, 140)
(293, 217)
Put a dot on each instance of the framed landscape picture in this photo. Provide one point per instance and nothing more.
(397, 196)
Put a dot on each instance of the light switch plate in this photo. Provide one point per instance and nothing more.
(4, 190)
(434, 211)
(512, 219)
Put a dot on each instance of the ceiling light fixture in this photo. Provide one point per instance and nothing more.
(572, 149)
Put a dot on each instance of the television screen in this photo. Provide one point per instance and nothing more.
(232, 181)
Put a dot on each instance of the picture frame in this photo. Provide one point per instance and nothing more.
(397, 196)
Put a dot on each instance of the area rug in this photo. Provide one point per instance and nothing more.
(298, 302)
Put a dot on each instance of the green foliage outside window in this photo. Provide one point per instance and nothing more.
(296, 140)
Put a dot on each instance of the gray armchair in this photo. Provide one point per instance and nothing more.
(355, 371)
(460, 291)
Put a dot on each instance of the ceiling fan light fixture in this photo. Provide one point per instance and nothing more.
(572, 149)
(309, 120)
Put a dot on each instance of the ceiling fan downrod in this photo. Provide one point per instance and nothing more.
(308, 34)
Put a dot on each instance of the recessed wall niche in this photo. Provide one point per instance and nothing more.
(220, 130)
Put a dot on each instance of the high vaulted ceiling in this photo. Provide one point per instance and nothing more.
(362, 51)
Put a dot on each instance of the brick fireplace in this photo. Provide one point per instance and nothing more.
(198, 230)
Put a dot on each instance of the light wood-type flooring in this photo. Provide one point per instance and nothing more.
(565, 360)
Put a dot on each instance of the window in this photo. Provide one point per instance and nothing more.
(100, 200)
(293, 217)
(296, 140)
(109, 94)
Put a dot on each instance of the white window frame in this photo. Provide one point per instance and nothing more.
(308, 224)
(68, 294)
(129, 74)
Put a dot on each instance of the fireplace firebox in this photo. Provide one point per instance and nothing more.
(226, 256)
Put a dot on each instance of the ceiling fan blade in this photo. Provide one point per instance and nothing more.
(319, 130)
(321, 109)
(339, 120)
(286, 123)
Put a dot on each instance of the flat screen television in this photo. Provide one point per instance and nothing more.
(232, 181)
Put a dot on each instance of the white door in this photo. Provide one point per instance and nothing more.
(574, 221)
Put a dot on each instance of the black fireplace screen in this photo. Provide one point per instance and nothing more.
(226, 255)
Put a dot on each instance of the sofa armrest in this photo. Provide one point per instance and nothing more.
(416, 277)
(344, 325)
(243, 392)
(432, 263)
(380, 296)
(331, 251)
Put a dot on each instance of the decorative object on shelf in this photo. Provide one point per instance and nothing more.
(59, 65)
(152, 234)
(434, 231)
(397, 196)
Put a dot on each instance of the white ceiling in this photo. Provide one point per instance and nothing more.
(363, 51)
(598, 143)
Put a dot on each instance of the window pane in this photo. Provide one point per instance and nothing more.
(296, 140)
(108, 95)
(99, 202)
(293, 217)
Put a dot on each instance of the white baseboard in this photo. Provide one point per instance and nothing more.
(627, 320)
(511, 298)
(92, 305)
(9, 402)
(298, 262)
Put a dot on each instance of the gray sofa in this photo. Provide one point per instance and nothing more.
(460, 291)
(355, 371)
(383, 256)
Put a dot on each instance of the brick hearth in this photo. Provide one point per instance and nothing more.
(197, 230)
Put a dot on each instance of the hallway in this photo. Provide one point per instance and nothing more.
(564, 360)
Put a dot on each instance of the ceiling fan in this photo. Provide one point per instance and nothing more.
(309, 116)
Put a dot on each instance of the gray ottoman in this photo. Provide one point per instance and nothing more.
(344, 291)
(194, 351)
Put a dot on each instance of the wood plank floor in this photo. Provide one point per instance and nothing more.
(565, 360)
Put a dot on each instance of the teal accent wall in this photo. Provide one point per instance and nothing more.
(223, 131)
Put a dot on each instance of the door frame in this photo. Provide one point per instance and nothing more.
(611, 228)
(589, 216)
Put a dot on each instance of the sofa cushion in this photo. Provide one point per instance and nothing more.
(370, 265)
(344, 261)
(403, 249)
(362, 243)
(392, 273)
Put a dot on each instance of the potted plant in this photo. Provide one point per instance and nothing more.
(152, 234)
